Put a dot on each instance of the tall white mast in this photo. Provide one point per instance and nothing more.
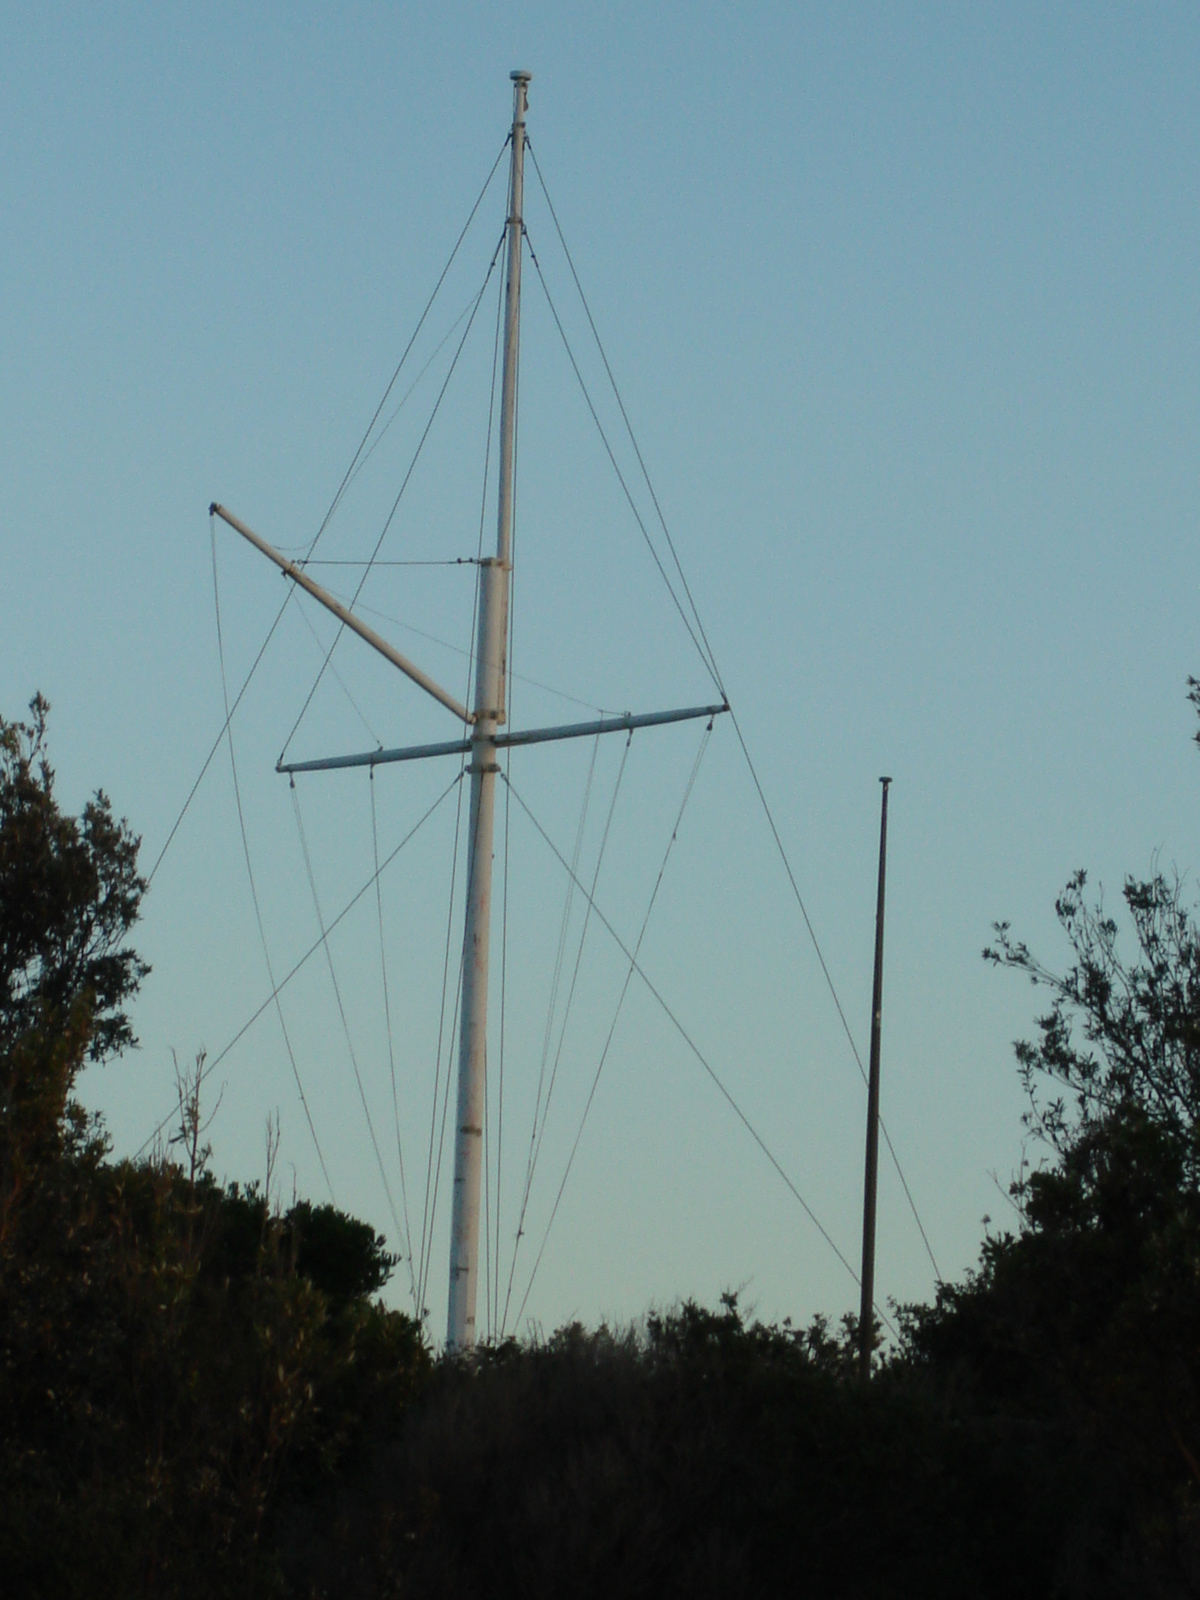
(489, 714)
(485, 722)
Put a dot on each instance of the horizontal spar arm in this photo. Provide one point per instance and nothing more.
(298, 575)
(460, 747)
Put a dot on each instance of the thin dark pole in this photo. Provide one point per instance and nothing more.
(866, 1318)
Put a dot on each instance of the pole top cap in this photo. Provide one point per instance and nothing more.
(520, 77)
(885, 781)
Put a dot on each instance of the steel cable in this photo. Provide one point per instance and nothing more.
(687, 794)
(711, 662)
(426, 1219)
(637, 516)
(337, 993)
(562, 1035)
(787, 867)
(441, 1148)
(350, 470)
(341, 682)
(387, 1015)
(562, 1032)
(559, 954)
(277, 988)
(262, 932)
(400, 495)
(535, 1140)
(229, 715)
(705, 1064)
(487, 1161)
(432, 1174)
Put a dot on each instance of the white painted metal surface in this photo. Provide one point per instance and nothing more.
(298, 575)
(485, 720)
(625, 723)
(489, 714)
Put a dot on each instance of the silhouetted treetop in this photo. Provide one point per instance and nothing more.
(69, 895)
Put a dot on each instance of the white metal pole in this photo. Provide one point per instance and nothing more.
(491, 647)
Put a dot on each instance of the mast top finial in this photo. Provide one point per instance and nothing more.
(520, 77)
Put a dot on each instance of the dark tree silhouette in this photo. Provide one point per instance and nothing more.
(69, 896)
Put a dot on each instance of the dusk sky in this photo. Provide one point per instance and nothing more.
(902, 304)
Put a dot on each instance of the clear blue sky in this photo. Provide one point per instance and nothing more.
(902, 300)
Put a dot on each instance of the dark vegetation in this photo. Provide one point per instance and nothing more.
(200, 1395)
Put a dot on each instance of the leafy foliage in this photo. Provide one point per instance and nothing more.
(165, 1387)
(175, 1355)
(700, 1454)
(69, 895)
(1119, 1035)
(343, 1257)
(200, 1398)
(1086, 1319)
